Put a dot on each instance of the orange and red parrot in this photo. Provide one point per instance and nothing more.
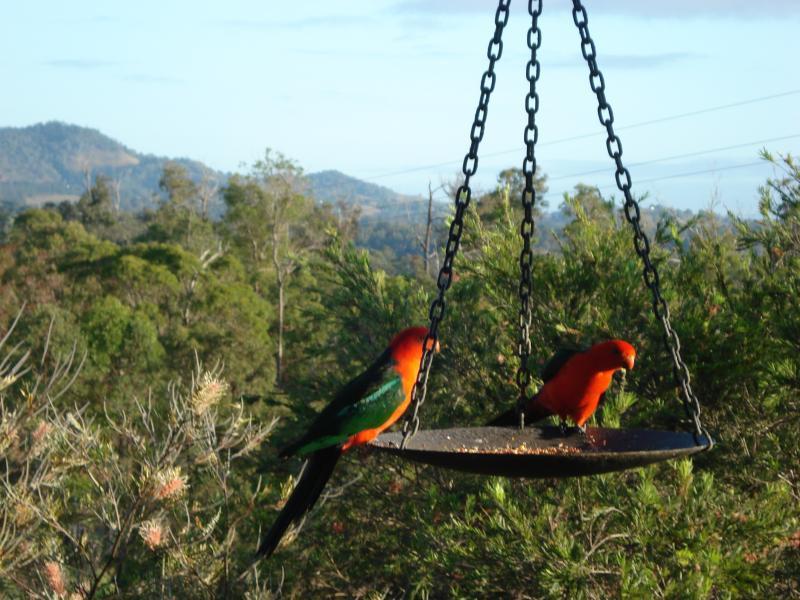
(359, 412)
(574, 383)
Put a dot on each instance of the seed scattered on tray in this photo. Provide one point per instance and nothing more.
(524, 449)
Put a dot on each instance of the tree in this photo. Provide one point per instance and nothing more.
(774, 279)
(96, 207)
(207, 191)
(6, 218)
(428, 251)
(510, 184)
(178, 186)
(179, 218)
(177, 215)
(587, 203)
(271, 220)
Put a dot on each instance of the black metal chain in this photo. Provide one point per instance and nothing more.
(531, 136)
(462, 199)
(632, 213)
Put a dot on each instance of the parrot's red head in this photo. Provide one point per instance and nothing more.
(407, 353)
(409, 341)
(615, 354)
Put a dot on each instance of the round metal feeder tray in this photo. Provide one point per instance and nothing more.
(540, 451)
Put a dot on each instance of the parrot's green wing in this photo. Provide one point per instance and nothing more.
(366, 402)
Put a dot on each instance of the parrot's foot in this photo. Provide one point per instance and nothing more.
(565, 431)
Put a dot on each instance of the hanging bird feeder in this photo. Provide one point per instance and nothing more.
(543, 451)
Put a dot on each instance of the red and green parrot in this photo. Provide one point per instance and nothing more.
(574, 383)
(360, 411)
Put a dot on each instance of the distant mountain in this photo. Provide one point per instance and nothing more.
(49, 162)
(331, 186)
(374, 200)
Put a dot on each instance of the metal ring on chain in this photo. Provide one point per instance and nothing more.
(632, 214)
(462, 198)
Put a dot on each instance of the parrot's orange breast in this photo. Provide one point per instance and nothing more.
(575, 393)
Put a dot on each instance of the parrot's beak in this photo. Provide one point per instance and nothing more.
(629, 360)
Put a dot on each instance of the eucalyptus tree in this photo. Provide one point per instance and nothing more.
(270, 220)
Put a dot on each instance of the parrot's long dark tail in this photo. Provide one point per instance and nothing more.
(316, 473)
(533, 412)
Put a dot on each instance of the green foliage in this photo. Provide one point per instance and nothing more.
(724, 525)
(774, 244)
(140, 312)
(183, 215)
(365, 306)
(115, 332)
(508, 192)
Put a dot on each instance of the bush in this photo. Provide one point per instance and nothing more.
(146, 503)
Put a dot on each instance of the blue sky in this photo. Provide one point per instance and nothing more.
(383, 89)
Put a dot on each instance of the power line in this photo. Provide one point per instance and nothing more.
(665, 119)
(636, 182)
(677, 156)
(701, 172)
(679, 175)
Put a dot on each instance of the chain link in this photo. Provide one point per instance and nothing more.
(531, 136)
(462, 199)
(633, 215)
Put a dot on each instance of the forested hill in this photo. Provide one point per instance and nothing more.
(49, 162)
(53, 162)
(334, 186)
